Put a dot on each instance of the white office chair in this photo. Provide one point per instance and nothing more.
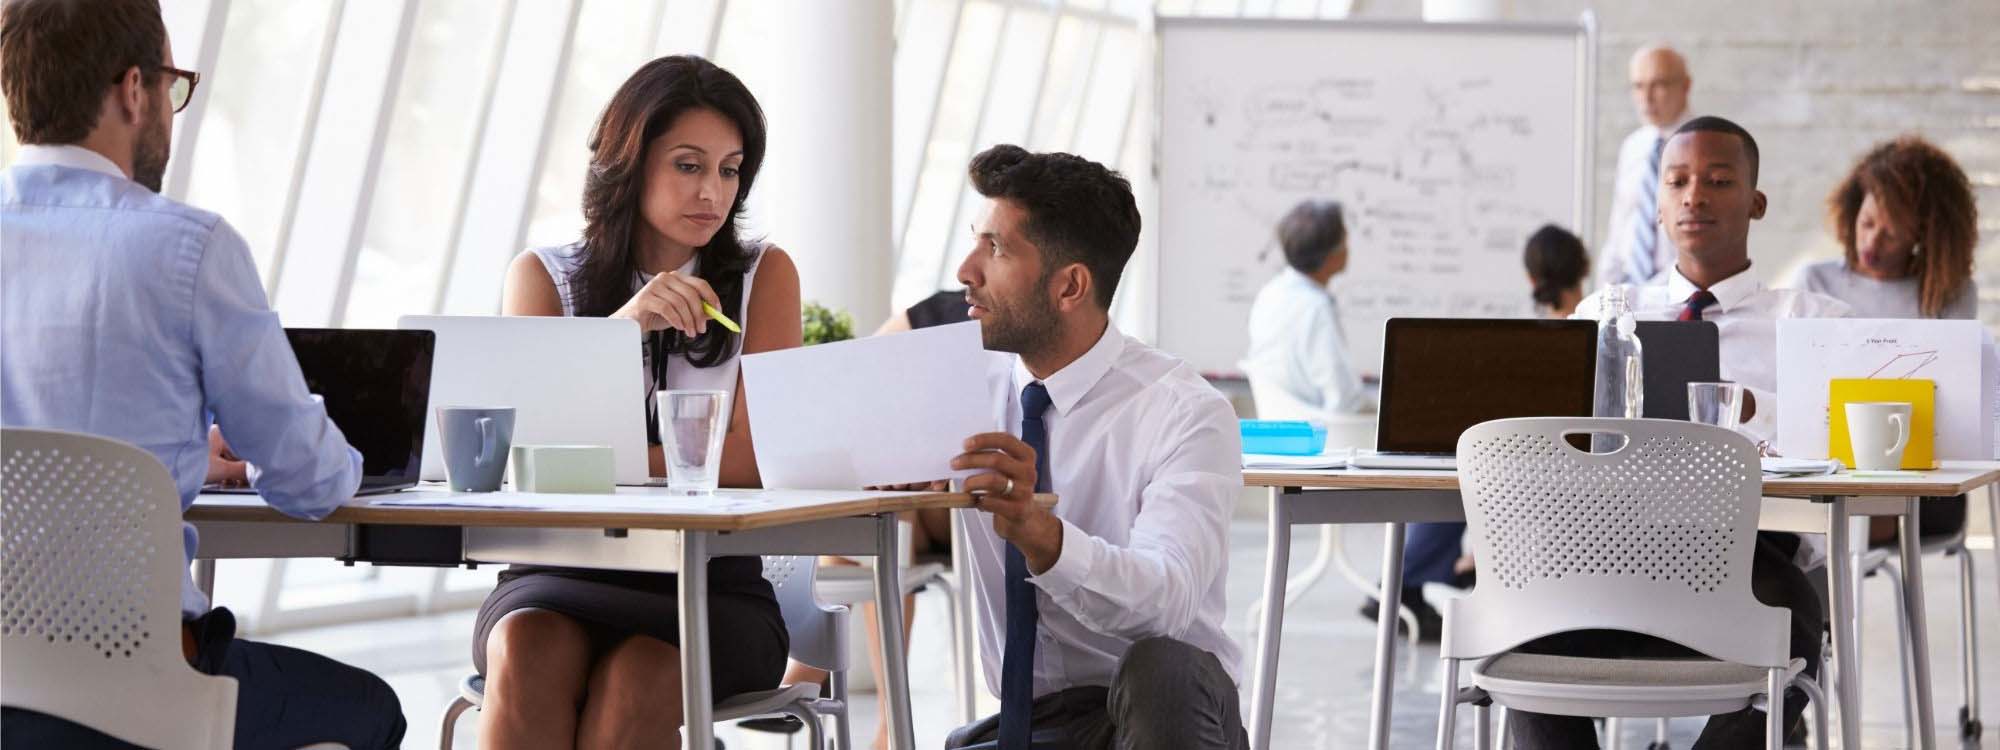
(819, 639)
(92, 594)
(850, 585)
(1884, 561)
(1655, 537)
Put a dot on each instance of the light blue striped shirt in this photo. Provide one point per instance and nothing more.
(128, 315)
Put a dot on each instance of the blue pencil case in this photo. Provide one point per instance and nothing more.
(1281, 437)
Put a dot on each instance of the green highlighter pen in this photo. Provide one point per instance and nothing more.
(717, 316)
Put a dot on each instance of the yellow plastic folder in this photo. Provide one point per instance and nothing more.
(1920, 394)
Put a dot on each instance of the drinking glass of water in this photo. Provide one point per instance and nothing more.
(1719, 404)
(692, 425)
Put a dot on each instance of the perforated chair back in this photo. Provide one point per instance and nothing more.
(818, 632)
(91, 594)
(1655, 537)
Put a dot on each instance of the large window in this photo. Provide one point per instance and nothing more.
(253, 129)
(459, 172)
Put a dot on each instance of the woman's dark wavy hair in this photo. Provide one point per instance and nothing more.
(1556, 263)
(1927, 196)
(646, 106)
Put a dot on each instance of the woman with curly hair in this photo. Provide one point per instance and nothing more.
(1906, 219)
(1907, 222)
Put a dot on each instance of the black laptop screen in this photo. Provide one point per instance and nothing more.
(1441, 376)
(376, 384)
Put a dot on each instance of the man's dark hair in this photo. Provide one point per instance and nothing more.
(1078, 211)
(57, 57)
(1310, 232)
(1713, 124)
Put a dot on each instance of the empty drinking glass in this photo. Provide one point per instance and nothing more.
(692, 425)
(1719, 404)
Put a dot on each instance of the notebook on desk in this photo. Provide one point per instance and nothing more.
(1673, 354)
(376, 386)
(1443, 375)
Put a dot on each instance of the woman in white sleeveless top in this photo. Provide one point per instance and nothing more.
(590, 657)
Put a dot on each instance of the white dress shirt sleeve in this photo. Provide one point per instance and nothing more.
(1179, 541)
(300, 462)
(1324, 357)
(1614, 259)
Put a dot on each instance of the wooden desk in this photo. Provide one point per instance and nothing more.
(649, 529)
(1830, 505)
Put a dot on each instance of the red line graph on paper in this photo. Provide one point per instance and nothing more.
(1905, 365)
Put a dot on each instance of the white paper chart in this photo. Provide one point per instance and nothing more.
(1956, 354)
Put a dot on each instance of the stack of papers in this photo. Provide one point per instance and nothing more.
(1775, 466)
(1331, 460)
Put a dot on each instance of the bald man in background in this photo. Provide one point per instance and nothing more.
(1635, 250)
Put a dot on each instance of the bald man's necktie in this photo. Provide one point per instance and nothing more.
(1645, 218)
(1017, 662)
(1701, 300)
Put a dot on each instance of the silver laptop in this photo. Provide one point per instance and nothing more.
(571, 381)
(1443, 375)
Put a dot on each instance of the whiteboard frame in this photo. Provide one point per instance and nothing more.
(1583, 31)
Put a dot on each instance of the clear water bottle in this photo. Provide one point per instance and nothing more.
(1620, 382)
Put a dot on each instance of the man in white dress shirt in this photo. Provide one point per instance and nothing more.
(1635, 251)
(1102, 618)
(1708, 197)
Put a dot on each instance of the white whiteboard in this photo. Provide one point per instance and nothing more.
(1446, 144)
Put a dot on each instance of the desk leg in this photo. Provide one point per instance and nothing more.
(889, 620)
(968, 668)
(1270, 629)
(1920, 641)
(204, 579)
(698, 704)
(1840, 592)
(1390, 601)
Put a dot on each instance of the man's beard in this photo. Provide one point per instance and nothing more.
(150, 152)
(1022, 327)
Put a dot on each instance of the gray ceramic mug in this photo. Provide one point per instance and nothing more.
(476, 442)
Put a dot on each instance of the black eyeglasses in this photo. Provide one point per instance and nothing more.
(181, 90)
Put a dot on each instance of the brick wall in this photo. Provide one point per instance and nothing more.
(1818, 82)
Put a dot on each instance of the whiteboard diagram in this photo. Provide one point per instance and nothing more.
(1446, 144)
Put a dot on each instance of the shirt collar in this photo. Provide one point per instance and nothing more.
(1663, 133)
(1729, 293)
(1301, 280)
(1069, 384)
(66, 155)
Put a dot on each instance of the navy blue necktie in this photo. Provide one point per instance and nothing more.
(1017, 662)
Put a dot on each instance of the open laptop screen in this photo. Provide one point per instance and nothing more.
(1441, 376)
(376, 384)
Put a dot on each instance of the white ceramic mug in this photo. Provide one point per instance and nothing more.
(1878, 431)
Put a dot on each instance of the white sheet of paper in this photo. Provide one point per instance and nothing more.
(868, 412)
(1954, 353)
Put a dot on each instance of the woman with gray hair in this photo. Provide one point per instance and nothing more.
(1297, 347)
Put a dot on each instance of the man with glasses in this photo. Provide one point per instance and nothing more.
(129, 315)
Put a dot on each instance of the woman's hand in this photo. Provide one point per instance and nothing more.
(671, 300)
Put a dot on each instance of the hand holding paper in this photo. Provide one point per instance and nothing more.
(884, 410)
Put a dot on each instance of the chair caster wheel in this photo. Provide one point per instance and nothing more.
(1968, 727)
(1658, 745)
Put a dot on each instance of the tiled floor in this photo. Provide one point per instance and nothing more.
(1322, 700)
